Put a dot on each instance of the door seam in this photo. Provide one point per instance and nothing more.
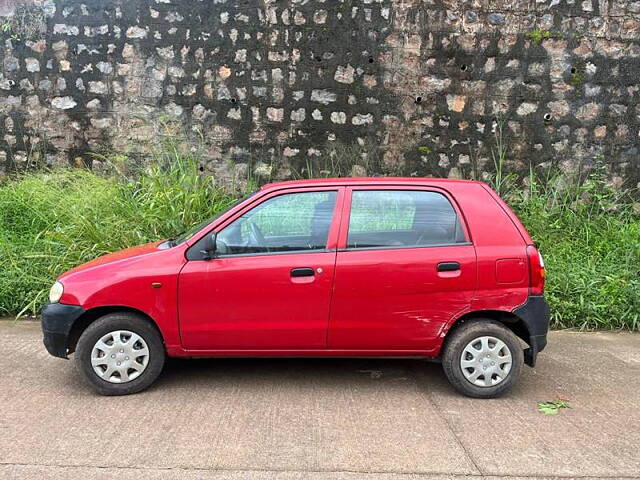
(335, 268)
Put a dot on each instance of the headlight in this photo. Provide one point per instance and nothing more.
(56, 292)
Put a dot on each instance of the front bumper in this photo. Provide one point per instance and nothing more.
(57, 323)
(535, 315)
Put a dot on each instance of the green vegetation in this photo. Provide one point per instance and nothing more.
(50, 222)
(588, 233)
(537, 35)
(552, 407)
(27, 23)
(576, 77)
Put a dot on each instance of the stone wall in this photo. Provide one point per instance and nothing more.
(285, 88)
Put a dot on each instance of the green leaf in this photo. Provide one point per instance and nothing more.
(553, 407)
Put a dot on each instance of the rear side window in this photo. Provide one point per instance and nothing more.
(402, 218)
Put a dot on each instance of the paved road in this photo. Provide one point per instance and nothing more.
(321, 419)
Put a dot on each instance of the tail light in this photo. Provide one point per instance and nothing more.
(536, 271)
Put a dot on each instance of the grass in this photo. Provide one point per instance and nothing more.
(537, 35)
(52, 221)
(590, 239)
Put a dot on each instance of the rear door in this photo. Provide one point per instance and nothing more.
(405, 267)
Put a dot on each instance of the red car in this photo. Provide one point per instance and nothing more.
(366, 267)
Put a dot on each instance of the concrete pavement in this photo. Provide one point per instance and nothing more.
(321, 419)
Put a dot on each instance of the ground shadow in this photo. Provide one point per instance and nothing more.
(329, 372)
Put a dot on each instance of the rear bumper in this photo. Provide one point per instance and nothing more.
(57, 322)
(535, 315)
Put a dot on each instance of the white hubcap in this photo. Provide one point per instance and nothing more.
(120, 356)
(486, 361)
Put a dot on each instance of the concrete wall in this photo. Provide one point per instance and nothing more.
(275, 86)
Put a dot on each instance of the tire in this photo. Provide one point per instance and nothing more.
(134, 334)
(459, 343)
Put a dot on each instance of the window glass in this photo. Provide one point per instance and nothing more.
(402, 218)
(291, 222)
(187, 234)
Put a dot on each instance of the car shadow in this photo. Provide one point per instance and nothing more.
(204, 374)
(300, 372)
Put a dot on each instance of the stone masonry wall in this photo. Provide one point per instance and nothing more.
(282, 88)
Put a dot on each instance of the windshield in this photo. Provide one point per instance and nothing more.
(196, 228)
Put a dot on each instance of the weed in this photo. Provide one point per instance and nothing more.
(588, 232)
(27, 23)
(501, 180)
(590, 238)
(577, 78)
(537, 35)
(50, 222)
(553, 407)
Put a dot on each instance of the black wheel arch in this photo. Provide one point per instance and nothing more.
(529, 322)
(509, 319)
(91, 315)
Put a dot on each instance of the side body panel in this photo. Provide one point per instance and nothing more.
(395, 298)
(253, 301)
(127, 282)
(503, 277)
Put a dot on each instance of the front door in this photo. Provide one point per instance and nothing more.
(269, 285)
(405, 267)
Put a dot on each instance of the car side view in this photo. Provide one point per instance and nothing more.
(368, 267)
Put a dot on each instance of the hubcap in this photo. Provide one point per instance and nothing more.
(120, 356)
(486, 361)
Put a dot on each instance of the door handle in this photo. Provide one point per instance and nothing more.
(302, 272)
(448, 266)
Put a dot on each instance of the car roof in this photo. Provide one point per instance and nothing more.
(321, 182)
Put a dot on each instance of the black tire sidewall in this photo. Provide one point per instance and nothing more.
(459, 339)
(109, 323)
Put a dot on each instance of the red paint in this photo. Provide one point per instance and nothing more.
(396, 298)
(510, 270)
(254, 303)
(380, 301)
(115, 256)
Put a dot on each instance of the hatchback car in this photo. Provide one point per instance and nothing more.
(366, 267)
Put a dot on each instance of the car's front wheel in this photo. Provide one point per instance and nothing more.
(119, 354)
(482, 358)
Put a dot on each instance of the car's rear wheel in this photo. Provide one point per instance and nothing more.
(482, 358)
(119, 354)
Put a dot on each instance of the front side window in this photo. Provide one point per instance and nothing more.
(287, 223)
(402, 218)
(187, 234)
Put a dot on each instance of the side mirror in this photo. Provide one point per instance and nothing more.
(209, 247)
